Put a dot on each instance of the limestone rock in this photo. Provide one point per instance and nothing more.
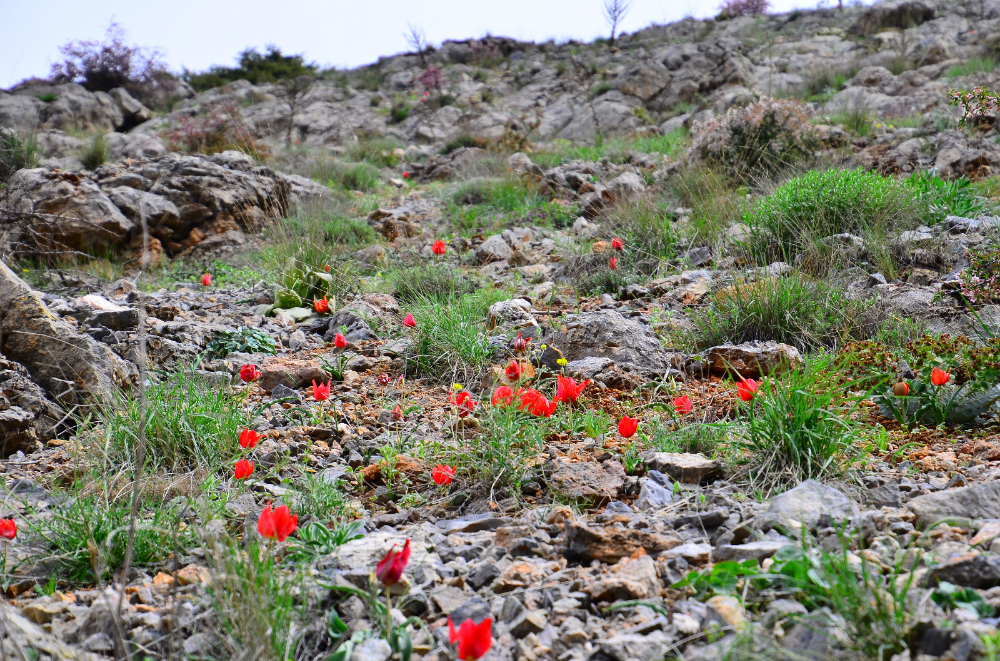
(751, 360)
(631, 578)
(980, 501)
(610, 544)
(806, 505)
(588, 480)
(683, 467)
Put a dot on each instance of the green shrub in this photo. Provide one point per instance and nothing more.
(95, 154)
(712, 198)
(376, 150)
(941, 197)
(645, 228)
(399, 113)
(822, 84)
(360, 176)
(599, 88)
(429, 281)
(452, 345)
(241, 340)
(464, 140)
(269, 67)
(975, 65)
(16, 153)
(800, 427)
(512, 194)
(820, 204)
(796, 310)
(190, 424)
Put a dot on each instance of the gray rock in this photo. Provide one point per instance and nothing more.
(980, 501)
(652, 496)
(683, 467)
(750, 551)
(588, 480)
(974, 570)
(373, 649)
(282, 391)
(493, 249)
(807, 504)
(634, 647)
(751, 360)
(528, 622)
(607, 334)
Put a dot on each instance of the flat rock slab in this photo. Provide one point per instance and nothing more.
(758, 550)
(806, 505)
(611, 544)
(683, 467)
(980, 501)
(751, 360)
(588, 480)
(605, 334)
(974, 570)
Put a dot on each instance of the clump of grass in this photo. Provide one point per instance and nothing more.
(644, 227)
(796, 310)
(820, 204)
(317, 498)
(359, 176)
(375, 150)
(975, 65)
(857, 120)
(820, 85)
(505, 194)
(432, 281)
(714, 201)
(451, 341)
(941, 197)
(16, 153)
(464, 141)
(189, 424)
(599, 88)
(800, 427)
(95, 154)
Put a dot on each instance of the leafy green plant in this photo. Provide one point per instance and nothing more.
(242, 340)
(319, 498)
(942, 197)
(799, 426)
(315, 540)
(269, 67)
(953, 596)
(399, 113)
(431, 280)
(794, 309)
(464, 140)
(95, 154)
(722, 578)
(599, 88)
(376, 150)
(360, 176)
(972, 66)
(645, 229)
(16, 153)
(820, 204)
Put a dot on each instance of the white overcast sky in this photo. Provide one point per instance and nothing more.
(198, 33)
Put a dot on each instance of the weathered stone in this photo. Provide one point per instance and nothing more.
(493, 249)
(750, 551)
(605, 334)
(631, 578)
(634, 647)
(652, 496)
(980, 501)
(588, 480)
(683, 467)
(751, 360)
(610, 544)
(22, 633)
(726, 610)
(973, 570)
(528, 622)
(805, 505)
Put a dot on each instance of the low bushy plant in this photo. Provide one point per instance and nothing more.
(216, 130)
(269, 67)
(241, 340)
(943, 197)
(755, 140)
(434, 281)
(95, 154)
(644, 227)
(16, 153)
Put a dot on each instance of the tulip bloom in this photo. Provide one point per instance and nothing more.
(340, 341)
(682, 405)
(901, 389)
(406, 175)
(206, 279)
(443, 474)
(536, 403)
(321, 392)
(321, 305)
(438, 248)
(249, 373)
(276, 524)
(409, 321)
(384, 379)
(244, 469)
(463, 401)
(390, 568)
(520, 343)
(8, 529)
(502, 395)
(248, 439)
(617, 244)
(747, 389)
(612, 264)
(474, 640)
(397, 413)
(939, 377)
(513, 371)
(627, 426)
(326, 268)
(567, 390)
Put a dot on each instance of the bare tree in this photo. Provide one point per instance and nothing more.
(417, 41)
(295, 89)
(614, 12)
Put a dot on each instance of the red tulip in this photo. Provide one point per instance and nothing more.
(901, 389)
(513, 371)
(340, 341)
(321, 391)
(248, 439)
(617, 244)
(384, 379)
(8, 528)
(520, 343)
(443, 474)
(438, 248)
(206, 279)
(326, 268)
(463, 400)
(409, 321)
(682, 404)
(276, 524)
(249, 373)
(627, 426)
(244, 469)
(612, 264)
(746, 389)
(939, 377)
(321, 305)
(474, 640)
(567, 390)
(502, 395)
(390, 568)
(396, 413)
(406, 175)
(536, 403)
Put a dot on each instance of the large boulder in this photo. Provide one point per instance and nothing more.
(605, 334)
(980, 501)
(809, 505)
(73, 368)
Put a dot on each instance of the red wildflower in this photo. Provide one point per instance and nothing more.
(326, 268)
(627, 426)
(321, 305)
(474, 640)
(206, 279)
(502, 395)
(248, 439)
(520, 343)
(340, 341)
(396, 413)
(409, 321)
(536, 403)
(8, 528)
(567, 390)
(939, 377)
(617, 244)
(276, 524)
(249, 373)
(463, 401)
(683, 405)
(746, 389)
(321, 391)
(438, 248)
(443, 474)
(901, 389)
(390, 568)
(244, 469)
(384, 379)
(612, 264)
(513, 371)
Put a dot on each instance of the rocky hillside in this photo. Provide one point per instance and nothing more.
(681, 348)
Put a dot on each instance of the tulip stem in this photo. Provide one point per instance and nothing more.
(388, 614)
